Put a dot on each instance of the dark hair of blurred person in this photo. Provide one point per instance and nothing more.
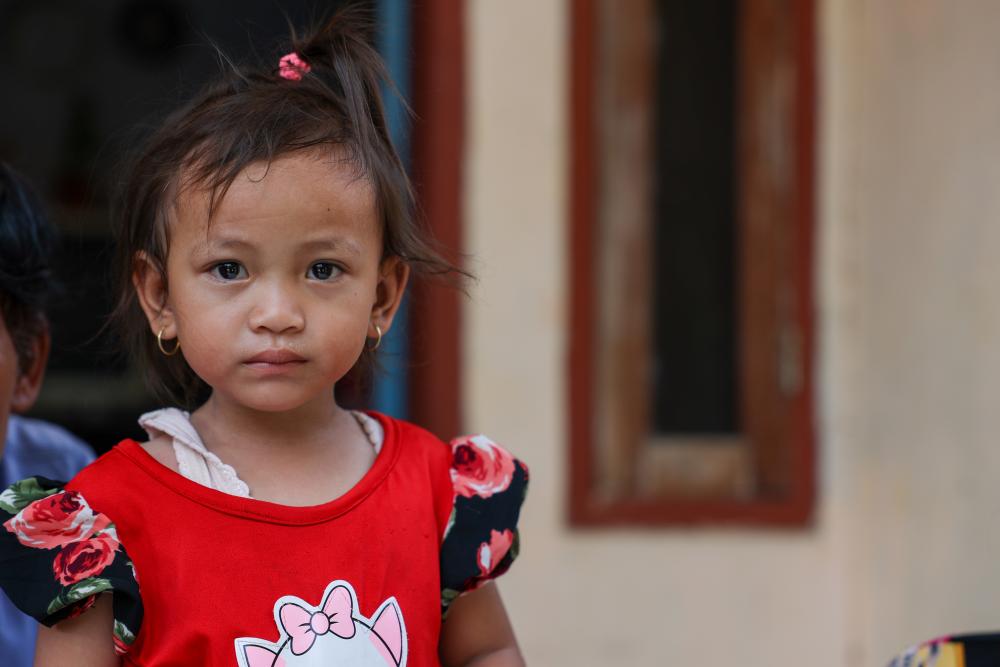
(26, 245)
(27, 446)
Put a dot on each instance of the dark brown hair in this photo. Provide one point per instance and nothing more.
(27, 241)
(250, 115)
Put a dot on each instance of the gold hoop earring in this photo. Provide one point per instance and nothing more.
(378, 340)
(159, 344)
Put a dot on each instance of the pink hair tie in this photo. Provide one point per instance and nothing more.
(292, 67)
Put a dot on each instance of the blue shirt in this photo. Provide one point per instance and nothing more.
(33, 448)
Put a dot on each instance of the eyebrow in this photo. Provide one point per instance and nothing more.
(331, 244)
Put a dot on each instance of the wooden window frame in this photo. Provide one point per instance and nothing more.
(618, 474)
(434, 390)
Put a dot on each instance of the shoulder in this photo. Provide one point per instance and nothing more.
(44, 444)
(406, 430)
(415, 442)
(467, 466)
(117, 481)
(58, 553)
(476, 464)
(161, 448)
(461, 451)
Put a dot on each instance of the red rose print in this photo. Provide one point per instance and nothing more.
(480, 467)
(82, 607)
(121, 648)
(489, 555)
(56, 520)
(84, 559)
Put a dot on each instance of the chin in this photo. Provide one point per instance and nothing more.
(273, 405)
(274, 400)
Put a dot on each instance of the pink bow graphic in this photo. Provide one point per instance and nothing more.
(303, 626)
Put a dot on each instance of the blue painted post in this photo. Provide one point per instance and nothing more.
(389, 393)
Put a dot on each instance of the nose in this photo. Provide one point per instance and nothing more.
(276, 309)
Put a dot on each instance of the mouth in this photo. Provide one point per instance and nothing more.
(274, 359)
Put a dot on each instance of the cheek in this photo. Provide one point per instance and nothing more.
(204, 352)
(344, 335)
(207, 332)
(206, 356)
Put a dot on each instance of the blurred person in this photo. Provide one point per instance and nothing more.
(27, 446)
(267, 236)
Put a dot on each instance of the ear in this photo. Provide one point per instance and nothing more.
(255, 656)
(29, 383)
(388, 626)
(393, 276)
(150, 282)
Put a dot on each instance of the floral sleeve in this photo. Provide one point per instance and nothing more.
(481, 538)
(970, 650)
(57, 554)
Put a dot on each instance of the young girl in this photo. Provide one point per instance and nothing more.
(267, 235)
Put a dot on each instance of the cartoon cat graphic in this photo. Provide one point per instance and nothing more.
(333, 633)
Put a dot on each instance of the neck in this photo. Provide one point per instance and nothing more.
(221, 421)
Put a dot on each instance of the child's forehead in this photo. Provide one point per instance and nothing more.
(304, 192)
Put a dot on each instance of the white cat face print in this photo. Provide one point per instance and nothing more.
(334, 633)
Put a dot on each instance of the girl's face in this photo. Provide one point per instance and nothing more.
(273, 300)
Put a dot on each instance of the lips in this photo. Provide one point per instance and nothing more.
(275, 358)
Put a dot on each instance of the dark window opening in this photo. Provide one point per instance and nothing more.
(694, 360)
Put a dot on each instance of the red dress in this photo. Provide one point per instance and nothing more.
(202, 577)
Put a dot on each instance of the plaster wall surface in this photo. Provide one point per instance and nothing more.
(908, 309)
(914, 197)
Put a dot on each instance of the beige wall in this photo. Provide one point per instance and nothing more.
(913, 210)
(909, 309)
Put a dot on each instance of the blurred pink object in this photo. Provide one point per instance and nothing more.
(292, 67)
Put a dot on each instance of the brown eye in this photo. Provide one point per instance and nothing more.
(230, 270)
(323, 270)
